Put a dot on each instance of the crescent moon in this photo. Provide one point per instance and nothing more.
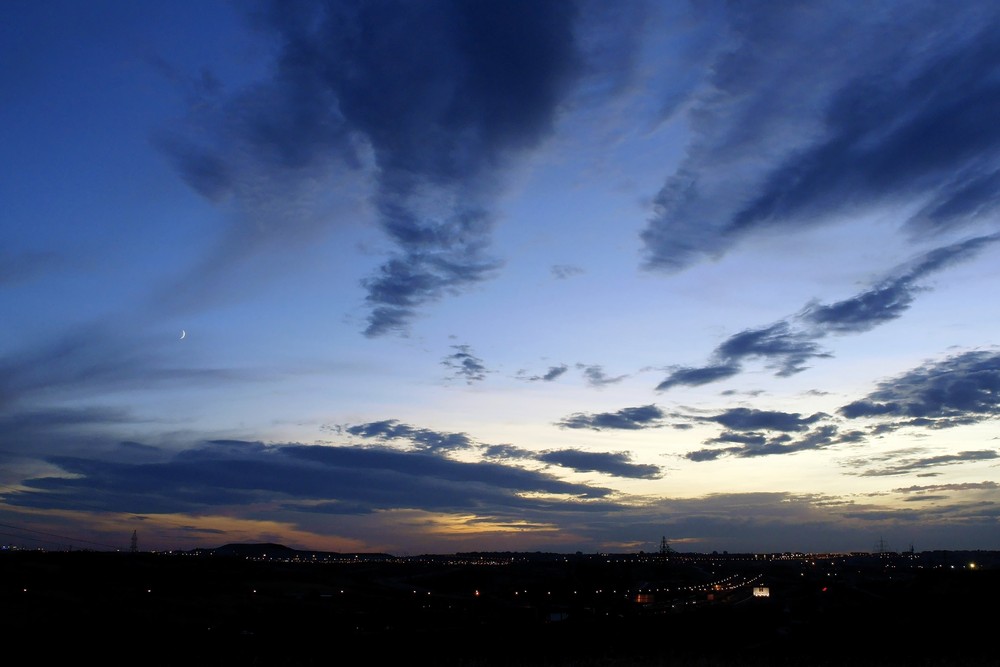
(183, 333)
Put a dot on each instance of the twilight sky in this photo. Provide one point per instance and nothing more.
(442, 276)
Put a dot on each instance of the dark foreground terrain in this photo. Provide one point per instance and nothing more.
(535, 609)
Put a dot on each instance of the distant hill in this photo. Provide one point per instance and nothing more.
(258, 550)
(272, 551)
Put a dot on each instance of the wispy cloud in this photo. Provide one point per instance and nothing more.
(16, 268)
(465, 364)
(596, 377)
(788, 135)
(95, 358)
(564, 271)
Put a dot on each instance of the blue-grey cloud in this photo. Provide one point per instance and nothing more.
(785, 349)
(404, 283)
(95, 358)
(867, 310)
(890, 298)
(617, 464)
(790, 135)
(465, 364)
(16, 268)
(779, 345)
(962, 387)
(564, 271)
(434, 99)
(644, 416)
(553, 373)
(17, 423)
(789, 344)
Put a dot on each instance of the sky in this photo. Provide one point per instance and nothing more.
(502, 275)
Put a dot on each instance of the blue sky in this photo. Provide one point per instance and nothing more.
(444, 276)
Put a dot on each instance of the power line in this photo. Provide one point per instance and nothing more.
(62, 538)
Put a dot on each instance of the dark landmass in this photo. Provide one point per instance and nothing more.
(266, 604)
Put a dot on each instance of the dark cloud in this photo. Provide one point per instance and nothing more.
(465, 364)
(779, 345)
(421, 438)
(702, 455)
(924, 499)
(963, 387)
(867, 310)
(596, 377)
(502, 452)
(964, 486)
(790, 135)
(645, 416)
(911, 464)
(555, 372)
(758, 444)
(785, 349)
(693, 377)
(434, 99)
(749, 439)
(431, 467)
(746, 419)
(819, 438)
(610, 463)
(354, 479)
